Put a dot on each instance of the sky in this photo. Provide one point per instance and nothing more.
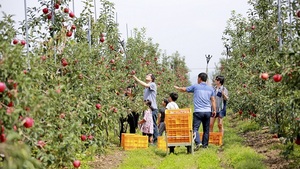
(194, 28)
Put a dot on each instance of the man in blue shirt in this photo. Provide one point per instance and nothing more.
(150, 92)
(204, 108)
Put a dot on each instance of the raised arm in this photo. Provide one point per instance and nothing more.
(181, 89)
(141, 82)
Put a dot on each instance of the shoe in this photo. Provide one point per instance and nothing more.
(198, 146)
(204, 147)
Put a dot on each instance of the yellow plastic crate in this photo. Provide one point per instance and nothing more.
(177, 121)
(214, 138)
(179, 135)
(178, 118)
(123, 137)
(134, 141)
(161, 143)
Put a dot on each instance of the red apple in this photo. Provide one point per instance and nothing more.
(2, 87)
(45, 10)
(2, 138)
(10, 104)
(90, 137)
(132, 72)
(66, 10)
(252, 27)
(298, 14)
(15, 41)
(28, 122)
(64, 63)
(111, 47)
(15, 85)
(102, 39)
(98, 106)
(71, 14)
(277, 77)
(83, 137)
(69, 33)
(41, 144)
(264, 76)
(73, 27)
(56, 6)
(25, 71)
(112, 61)
(76, 163)
(49, 16)
(23, 42)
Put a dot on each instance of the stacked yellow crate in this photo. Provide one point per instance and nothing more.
(214, 138)
(161, 143)
(133, 141)
(178, 126)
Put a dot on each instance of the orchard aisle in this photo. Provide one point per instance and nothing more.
(258, 144)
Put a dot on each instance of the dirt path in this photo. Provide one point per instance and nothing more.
(262, 142)
(109, 161)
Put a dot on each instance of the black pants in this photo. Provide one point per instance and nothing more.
(122, 128)
(132, 120)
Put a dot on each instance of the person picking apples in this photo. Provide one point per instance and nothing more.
(150, 92)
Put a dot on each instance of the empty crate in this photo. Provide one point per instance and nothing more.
(133, 141)
(214, 138)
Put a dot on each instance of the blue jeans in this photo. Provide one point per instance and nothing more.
(204, 118)
(155, 128)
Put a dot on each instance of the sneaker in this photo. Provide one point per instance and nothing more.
(198, 146)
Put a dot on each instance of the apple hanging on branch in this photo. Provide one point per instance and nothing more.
(277, 77)
(264, 76)
(76, 163)
(28, 122)
(2, 87)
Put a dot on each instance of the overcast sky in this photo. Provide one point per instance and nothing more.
(192, 27)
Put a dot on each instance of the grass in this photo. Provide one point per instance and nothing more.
(231, 155)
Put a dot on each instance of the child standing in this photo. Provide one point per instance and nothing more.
(172, 105)
(172, 101)
(147, 122)
(161, 117)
